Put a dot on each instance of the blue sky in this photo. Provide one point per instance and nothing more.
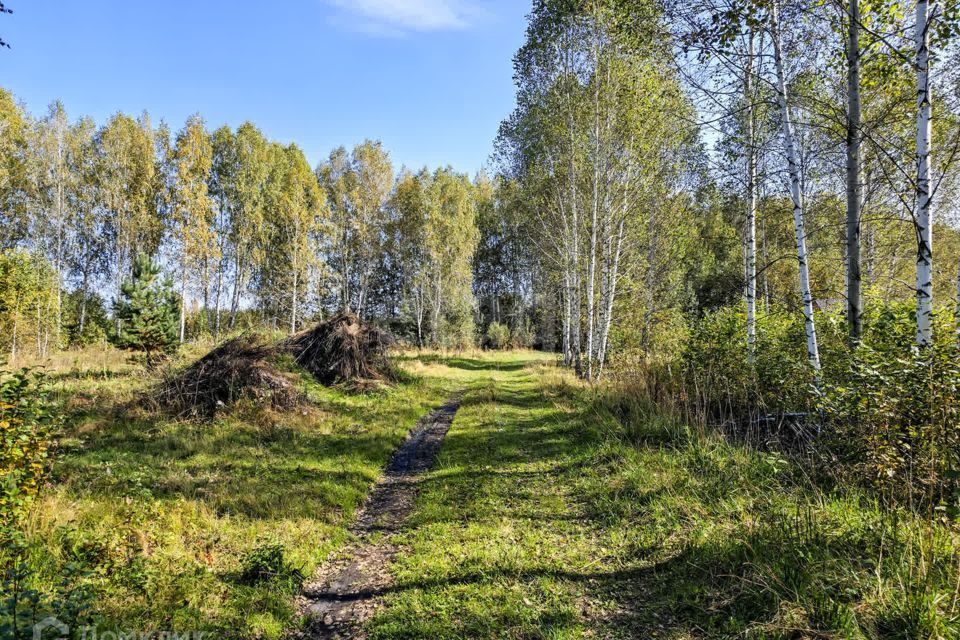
(432, 79)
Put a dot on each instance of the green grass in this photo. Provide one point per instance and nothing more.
(548, 518)
(162, 515)
(545, 517)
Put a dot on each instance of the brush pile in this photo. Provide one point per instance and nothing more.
(343, 349)
(241, 368)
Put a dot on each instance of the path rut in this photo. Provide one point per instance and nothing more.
(344, 592)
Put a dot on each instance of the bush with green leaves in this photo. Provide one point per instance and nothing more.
(148, 312)
(893, 411)
(883, 413)
(498, 336)
(268, 562)
(86, 319)
(28, 421)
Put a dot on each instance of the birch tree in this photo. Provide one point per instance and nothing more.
(922, 215)
(192, 221)
(358, 188)
(127, 186)
(13, 171)
(796, 196)
(854, 136)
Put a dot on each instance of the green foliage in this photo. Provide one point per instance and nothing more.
(148, 312)
(28, 291)
(25, 600)
(28, 420)
(498, 335)
(86, 319)
(882, 415)
(268, 562)
(893, 412)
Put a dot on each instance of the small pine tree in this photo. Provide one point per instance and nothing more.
(148, 312)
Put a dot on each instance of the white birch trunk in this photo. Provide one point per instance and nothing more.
(751, 222)
(594, 214)
(611, 297)
(293, 300)
(183, 305)
(813, 351)
(924, 224)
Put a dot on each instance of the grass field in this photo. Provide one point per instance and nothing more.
(545, 517)
(548, 518)
(162, 516)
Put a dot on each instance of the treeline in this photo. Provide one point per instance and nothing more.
(248, 231)
(671, 161)
(746, 212)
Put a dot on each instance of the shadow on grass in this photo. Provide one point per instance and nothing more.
(465, 363)
(509, 496)
(318, 465)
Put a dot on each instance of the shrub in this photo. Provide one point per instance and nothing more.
(267, 562)
(884, 414)
(85, 319)
(498, 335)
(523, 336)
(28, 420)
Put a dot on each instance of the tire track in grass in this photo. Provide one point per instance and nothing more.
(345, 591)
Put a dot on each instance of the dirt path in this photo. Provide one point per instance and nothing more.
(344, 592)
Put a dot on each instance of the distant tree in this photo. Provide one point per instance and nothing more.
(358, 188)
(192, 219)
(127, 184)
(297, 214)
(27, 287)
(13, 171)
(148, 312)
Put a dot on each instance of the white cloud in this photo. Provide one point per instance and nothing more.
(390, 16)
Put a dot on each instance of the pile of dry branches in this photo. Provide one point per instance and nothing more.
(239, 368)
(343, 349)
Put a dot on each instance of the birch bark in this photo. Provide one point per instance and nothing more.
(924, 226)
(813, 351)
(854, 311)
(751, 223)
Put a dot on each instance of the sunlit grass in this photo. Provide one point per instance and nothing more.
(548, 518)
(160, 512)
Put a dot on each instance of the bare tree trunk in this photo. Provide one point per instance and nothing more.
(237, 285)
(13, 341)
(813, 351)
(293, 306)
(183, 305)
(216, 304)
(594, 214)
(751, 222)
(651, 271)
(611, 296)
(924, 224)
(854, 311)
(567, 314)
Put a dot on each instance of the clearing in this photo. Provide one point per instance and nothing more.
(544, 515)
